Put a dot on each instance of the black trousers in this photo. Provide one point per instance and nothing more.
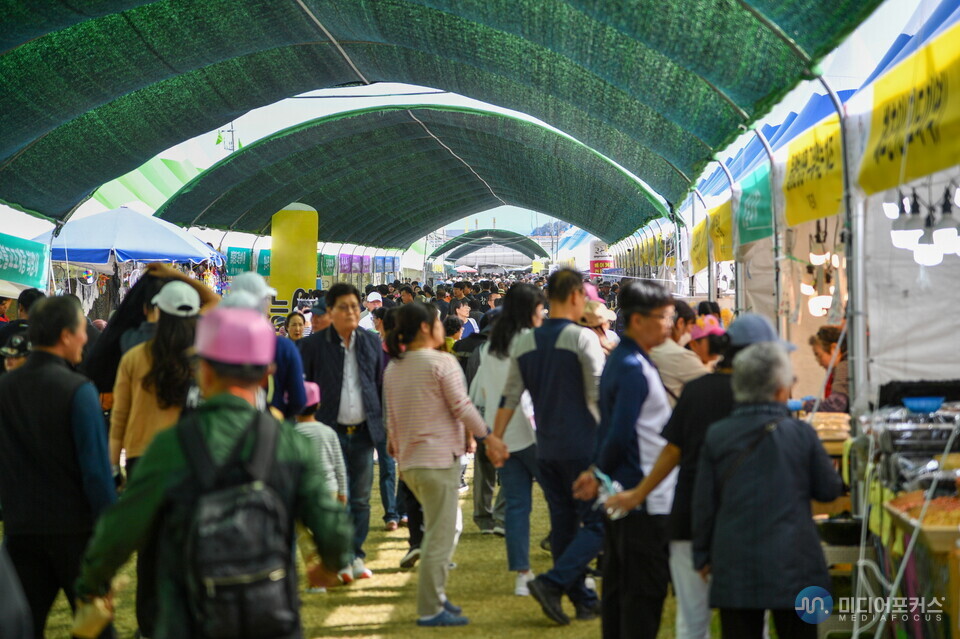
(146, 576)
(47, 564)
(636, 571)
(414, 513)
(748, 624)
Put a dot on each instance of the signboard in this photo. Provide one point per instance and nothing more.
(721, 231)
(698, 247)
(328, 265)
(23, 262)
(263, 262)
(379, 264)
(614, 271)
(346, 263)
(600, 257)
(356, 264)
(367, 264)
(813, 184)
(755, 209)
(239, 260)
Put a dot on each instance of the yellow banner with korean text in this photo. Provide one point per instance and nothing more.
(813, 184)
(721, 231)
(698, 246)
(915, 121)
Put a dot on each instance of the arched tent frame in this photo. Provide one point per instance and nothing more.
(473, 241)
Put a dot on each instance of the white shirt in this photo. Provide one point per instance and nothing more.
(351, 395)
(366, 323)
(485, 392)
(650, 422)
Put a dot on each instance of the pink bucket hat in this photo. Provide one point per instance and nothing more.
(236, 336)
(591, 291)
(313, 393)
(706, 325)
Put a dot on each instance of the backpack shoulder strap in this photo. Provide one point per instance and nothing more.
(196, 452)
(265, 446)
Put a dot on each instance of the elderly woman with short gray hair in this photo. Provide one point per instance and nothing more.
(752, 525)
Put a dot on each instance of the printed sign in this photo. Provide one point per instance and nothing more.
(813, 185)
(698, 247)
(755, 208)
(263, 262)
(23, 262)
(721, 231)
(239, 260)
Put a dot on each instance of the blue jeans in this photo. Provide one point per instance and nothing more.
(388, 483)
(358, 455)
(576, 529)
(516, 485)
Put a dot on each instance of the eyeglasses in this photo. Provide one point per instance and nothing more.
(347, 308)
(663, 317)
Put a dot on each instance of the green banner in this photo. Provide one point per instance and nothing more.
(327, 265)
(239, 260)
(263, 262)
(755, 211)
(23, 262)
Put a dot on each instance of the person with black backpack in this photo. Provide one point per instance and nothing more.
(223, 489)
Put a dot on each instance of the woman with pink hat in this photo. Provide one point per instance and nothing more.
(704, 339)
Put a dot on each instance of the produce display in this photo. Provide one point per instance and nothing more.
(942, 511)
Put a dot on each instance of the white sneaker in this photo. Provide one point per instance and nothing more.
(360, 571)
(590, 583)
(520, 589)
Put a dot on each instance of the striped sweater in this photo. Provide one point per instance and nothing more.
(427, 408)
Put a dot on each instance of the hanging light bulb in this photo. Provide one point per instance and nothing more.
(926, 253)
(907, 228)
(945, 234)
(835, 261)
(819, 305)
(819, 259)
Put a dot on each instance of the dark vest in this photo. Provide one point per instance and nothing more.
(41, 487)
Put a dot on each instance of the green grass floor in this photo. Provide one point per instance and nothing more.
(385, 606)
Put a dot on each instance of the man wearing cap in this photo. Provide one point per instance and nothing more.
(704, 400)
(374, 301)
(15, 351)
(289, 396)
(347, 363)
(236, 347)
(24, 302)
(319, 318)
(55, 477)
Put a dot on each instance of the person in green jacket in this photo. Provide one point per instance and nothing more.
(236, 348)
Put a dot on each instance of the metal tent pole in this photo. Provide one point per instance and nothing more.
(711, 272)
(775, 223)
(737, 266)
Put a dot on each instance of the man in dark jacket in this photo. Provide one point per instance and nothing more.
(753, 531)
(347, 363)
(55, 477)
(24, 302)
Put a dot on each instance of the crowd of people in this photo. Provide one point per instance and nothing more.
(199, 436)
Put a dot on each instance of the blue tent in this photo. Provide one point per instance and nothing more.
(125, 235)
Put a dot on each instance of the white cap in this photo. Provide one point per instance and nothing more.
(242, 299)
(177, 298)
(254, 284)
(374, 297)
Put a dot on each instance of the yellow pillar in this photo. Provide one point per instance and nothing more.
(293, 257)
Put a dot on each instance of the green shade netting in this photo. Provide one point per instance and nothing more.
(473, 241)
(657, 85)
(387, 176)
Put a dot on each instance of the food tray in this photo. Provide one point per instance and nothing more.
(938, 539)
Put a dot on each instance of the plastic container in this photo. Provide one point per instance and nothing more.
(923, 404)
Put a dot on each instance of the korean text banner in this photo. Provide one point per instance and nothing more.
(698, 247)
(755, 208)
(915, 121)
(239, 260)
(721, 230)
(356, 264)
(379, 264)
(263, 262)
(23, 262)
(813, 184)
(328, 266)
(346, 263)
(368, 264)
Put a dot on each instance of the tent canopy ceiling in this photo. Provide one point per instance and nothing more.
(473, 241)
(94, 88)
(382, 177)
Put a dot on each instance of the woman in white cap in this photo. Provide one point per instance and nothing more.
(149, 393)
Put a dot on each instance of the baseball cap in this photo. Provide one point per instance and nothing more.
(177, 298)
(374, 297)
(242, 299)
(591, 291)
(750, 328)
(320, 308)
(254, 284)
(706, 325)
(240, 336)
(312, 390)
(17, 346)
